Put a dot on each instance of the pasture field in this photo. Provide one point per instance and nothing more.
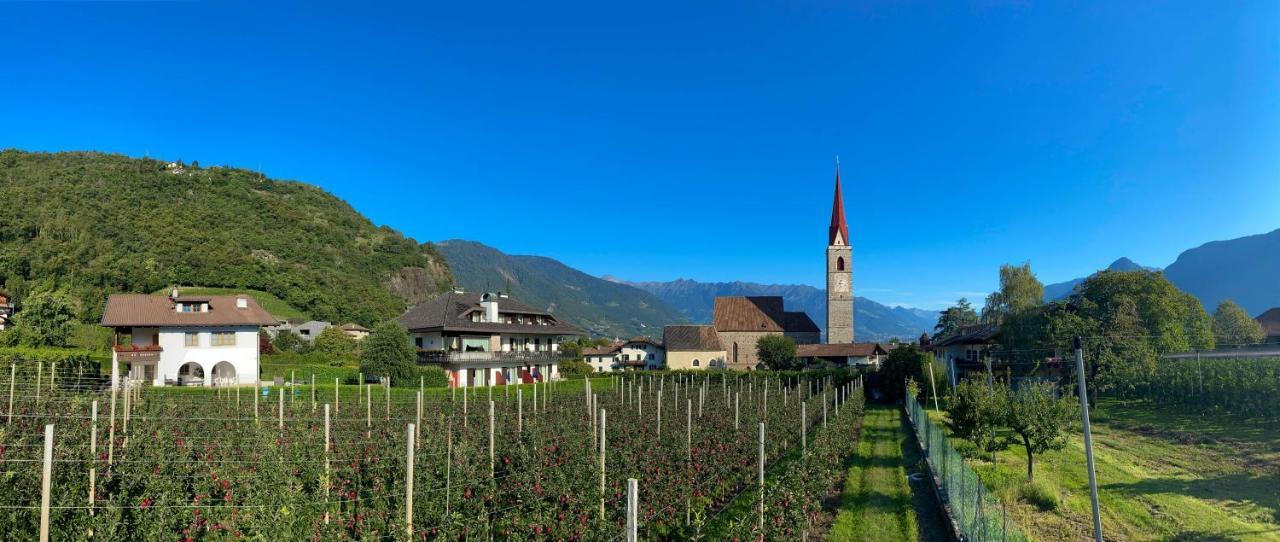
(222, 464)
(1163, 474)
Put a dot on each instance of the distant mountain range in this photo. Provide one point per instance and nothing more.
(602, 307)
(1246, 270)
(872, 321)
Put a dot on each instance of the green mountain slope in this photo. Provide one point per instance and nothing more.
(601, 307)
(92, 224)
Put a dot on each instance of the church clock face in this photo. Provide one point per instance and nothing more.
(842, 284)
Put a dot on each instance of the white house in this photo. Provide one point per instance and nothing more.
(487, 339)
(186, 340)
(636, 353)
(6, 310)
(843, 354)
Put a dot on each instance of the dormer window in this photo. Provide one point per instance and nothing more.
(193, 307)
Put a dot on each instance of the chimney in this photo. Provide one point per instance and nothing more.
(242, 302)
(173, 294)
(490, 304)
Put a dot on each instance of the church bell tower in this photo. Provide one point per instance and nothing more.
(839, 273)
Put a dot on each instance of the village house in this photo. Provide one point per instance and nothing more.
(635, 353)
(966, 350)
(843, 354)
(306, 330)
(693, 348)
(355, 331)
(487, 339)
(185, 340)
(6, 310)
(741, 321)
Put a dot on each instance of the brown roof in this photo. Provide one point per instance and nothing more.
(137, 310)
(1270, 321)
(450, 312)
(842, 350)
(759, 313)
(609, 349)
(353, 327)
(691, 339)
(979, 334)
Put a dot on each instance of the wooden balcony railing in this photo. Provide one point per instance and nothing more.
(138, 354)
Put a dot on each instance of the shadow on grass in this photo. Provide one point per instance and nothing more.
(930, 524)
(1259, 490)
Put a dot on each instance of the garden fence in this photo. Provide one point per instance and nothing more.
(978, 514)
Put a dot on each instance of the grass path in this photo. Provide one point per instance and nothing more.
(878, 502)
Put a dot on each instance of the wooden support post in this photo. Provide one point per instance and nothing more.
(491, 447)
(417, 420)
(408, 477)
(313, 392)
(46, 483)
(688, 429)
(93, 457)
(280, 423)
(659, 414)
(327, 446)
(255, 405)
(760, 471)
(13, 375)
(448, 469)
(39, 376)
(603, 420)
(368, 411)
(519, 411)
(735, 410)
(633, 502)
(388, 396)
(804, 437)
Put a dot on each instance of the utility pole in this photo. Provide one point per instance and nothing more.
(1088, 441)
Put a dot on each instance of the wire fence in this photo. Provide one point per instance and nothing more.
(974, 510)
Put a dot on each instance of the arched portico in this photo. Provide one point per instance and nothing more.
(191, 374)
(224, 374)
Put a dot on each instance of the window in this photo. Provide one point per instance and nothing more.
(696, 362)
(735, 352)
(192, 338)
(840, 263)
(650, 357)
(224, 338)
(417, 341)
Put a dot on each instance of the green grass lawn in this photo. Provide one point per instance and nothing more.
(879, 503)
(272, 304)
(1161, 475)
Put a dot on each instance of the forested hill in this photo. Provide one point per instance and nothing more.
(601, 307)
(90, 224)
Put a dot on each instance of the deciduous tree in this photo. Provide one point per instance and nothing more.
(1019, 291)
(1232, 326)
(956, 317)
(386, 352)
(777, 352)
(1040, 419)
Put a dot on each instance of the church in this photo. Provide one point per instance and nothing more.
(738, 322)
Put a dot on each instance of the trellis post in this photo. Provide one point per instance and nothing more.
(491, 455)
(659, 414)
(633, 502)
(13, 375)
(327, 446)
(46, 483)
(368, 411)
(603, 423)
(519, 411)
(804, 438)
(735, 410)
(93, 457)
(408, 477)
(760, 473)
(335, 395)
(280, 423)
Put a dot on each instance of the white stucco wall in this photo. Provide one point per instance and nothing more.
(243, 356)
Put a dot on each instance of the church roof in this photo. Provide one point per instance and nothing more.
(837, 215)
(759, 313)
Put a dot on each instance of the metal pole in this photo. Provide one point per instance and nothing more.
(1088, 442)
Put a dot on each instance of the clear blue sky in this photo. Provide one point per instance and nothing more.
(696, 140)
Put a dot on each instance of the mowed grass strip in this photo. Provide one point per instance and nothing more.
(878, 502)
(1162, 475)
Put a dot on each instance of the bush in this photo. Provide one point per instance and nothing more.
(1041, 494)
(777, 352)
(74, 366)
(434, 377)
(574, 368)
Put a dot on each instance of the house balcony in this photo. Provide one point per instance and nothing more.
(543, 357)
(138, 354)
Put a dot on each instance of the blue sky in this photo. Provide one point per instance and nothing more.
(696, 139)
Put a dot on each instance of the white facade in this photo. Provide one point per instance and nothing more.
(233, 360)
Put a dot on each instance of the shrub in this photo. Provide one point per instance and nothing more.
(574, 368)
(777, 352)
(433, 377)
(1041, 494)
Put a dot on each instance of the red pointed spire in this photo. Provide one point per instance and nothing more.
(837, 214)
